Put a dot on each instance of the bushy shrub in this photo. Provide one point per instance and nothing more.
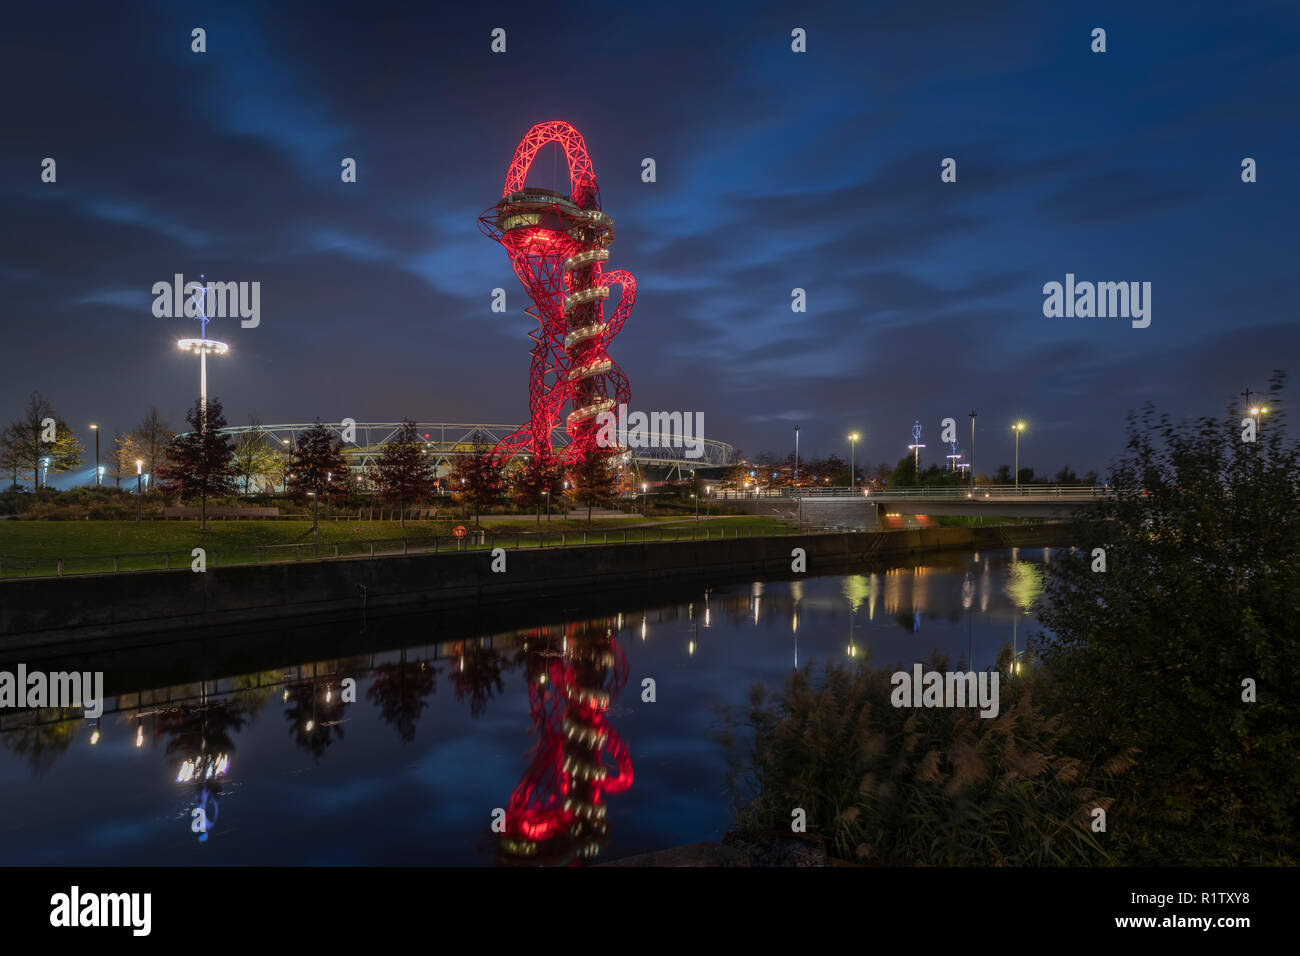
(927, 786)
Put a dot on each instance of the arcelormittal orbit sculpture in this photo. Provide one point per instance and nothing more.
(558, 246)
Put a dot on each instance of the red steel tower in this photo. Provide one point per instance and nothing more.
(558, 245)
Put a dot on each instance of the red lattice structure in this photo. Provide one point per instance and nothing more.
(558, 245)
(556, 815)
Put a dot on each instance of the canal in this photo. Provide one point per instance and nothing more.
(407, 753)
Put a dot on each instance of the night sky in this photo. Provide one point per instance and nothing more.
(775, 170)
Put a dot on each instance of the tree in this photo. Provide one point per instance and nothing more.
(404, 472)
(1003, 475)
(40, 439)
(318, 469)
(476, 477)
(152, 437)
(11, 457)
(534, 482)
(596, 482)
(121, 460)
(1066, 477)
(1196, 606)
(904, 474)
(254, 456)
(197, 462)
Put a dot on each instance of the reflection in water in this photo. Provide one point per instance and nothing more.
(402, 690)
(556, 814)
(406, 749)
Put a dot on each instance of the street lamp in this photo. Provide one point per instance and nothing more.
(708, 499)
(796, 456)
(139, 500)
(645, 499)
(95, 429)
(1018, 427)
(972, 448)
(546, 492)
(853, 461)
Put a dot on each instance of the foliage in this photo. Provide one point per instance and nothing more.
(152, 438)
(198, 462)
(318, 466)
(1201, 591)
(122, 458)
(530, 483)
(476, 477)
(928, 786)
(404, 472)
(26, 444)
(256, 458)
(595, 481)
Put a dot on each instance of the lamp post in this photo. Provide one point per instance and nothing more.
(853, 461)
(645, 499)
(796, 456)
(708, 499)
(547, 492)
(915, 448)
(139, 499)
(95, 429)
(972, 449)
(1018, 427)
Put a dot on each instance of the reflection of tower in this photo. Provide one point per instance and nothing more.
(557, 245)
(557, 813)
(916, 445)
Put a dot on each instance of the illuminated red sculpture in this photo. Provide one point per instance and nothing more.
(558, 246)
(556, 816)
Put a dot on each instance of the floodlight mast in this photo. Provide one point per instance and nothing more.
(204, 346)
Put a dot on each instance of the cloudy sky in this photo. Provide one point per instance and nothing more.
(775, 170)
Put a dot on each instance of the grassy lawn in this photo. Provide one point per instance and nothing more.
(34, 547)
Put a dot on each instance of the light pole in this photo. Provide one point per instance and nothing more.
(796, 456)
(95, 429)
(139, 499)
(1255, 413)
(204, 347)
(1018, 427)
(547, 492)
(915, 449)
(853, 461)
(645, 499)
(972, 449)
(708, 499)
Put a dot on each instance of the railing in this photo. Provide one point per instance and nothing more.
(475, 541)
(952, 493)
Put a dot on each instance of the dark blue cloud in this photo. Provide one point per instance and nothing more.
(776, 171)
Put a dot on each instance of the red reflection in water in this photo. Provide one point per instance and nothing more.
(556, 816)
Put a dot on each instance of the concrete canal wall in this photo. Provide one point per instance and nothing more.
(39, 612)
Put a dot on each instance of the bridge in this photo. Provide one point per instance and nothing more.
(865, 506)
